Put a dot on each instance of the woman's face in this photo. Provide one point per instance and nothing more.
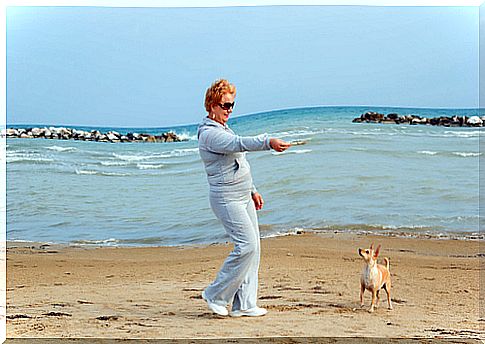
(220, 112)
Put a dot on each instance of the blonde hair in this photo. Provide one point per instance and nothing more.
(214, 94)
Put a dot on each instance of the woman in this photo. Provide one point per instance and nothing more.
(234, 200)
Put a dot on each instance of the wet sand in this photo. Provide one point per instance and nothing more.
(308, 282)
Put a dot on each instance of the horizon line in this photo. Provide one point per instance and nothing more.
(245, 115)
(248, 114)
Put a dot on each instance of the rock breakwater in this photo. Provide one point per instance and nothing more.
(61, 133)
(394, 118)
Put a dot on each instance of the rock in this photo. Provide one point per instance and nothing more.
(36, 132)
(418, 120)
(393, 116)
(79, 134)
(12, 132)
(373, 116)
(454, 121)
(102, 138)
(170, 137)
(388, 121)
(475, 121)
(112, 136)
(94, 135)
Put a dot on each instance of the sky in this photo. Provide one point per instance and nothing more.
(150, 67)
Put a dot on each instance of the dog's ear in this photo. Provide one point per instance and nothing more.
(372, 246)
(377, 251)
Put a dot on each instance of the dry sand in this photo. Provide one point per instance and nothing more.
(309, 283)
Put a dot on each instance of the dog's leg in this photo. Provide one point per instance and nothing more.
(377, 299)
(387, 286)
(373, 303)
(362, 289)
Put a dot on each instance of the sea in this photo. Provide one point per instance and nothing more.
(385, 179)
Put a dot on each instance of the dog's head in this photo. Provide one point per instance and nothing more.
(370, 255)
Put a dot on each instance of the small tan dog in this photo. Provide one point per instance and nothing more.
(374, 277)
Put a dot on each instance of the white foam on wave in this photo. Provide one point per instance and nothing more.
(385, 131)
(110, 241)
(296, 133)
(114, 163)
(179, 152)
(294, 151)
(27, 157)
(427, 152)
(149, 166)
(62, 149)
(186, 136)
(293, 231)
(99, 173)
(460, 133)
(301, 151)
(85, 172)
(131, 158)
(466, 154)
(115, 174)
(169, 154)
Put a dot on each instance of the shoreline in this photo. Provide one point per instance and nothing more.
(428, 235)
(309, 283)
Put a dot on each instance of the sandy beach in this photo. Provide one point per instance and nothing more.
(308, 282)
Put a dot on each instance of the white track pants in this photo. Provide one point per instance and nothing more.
(237, 281)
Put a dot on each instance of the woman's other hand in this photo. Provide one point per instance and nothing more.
(258, 200)
(279, 145)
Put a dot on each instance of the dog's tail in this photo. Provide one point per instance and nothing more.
(387, 260)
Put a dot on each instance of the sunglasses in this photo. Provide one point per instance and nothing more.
(226, 106)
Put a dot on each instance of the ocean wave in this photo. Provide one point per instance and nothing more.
(295, 151)
(180, 152)
(462, 134)
(466, 154)
(100, 173)
(107, 242)
(427, 152)
(114, 163)
(13, 157)
(462, 154)
(149, 241)
(61, 149)
(186, 136)
(132, 158)
(85, 172)
(411, 231)
(149, 166)
(170, 154)
(296, 133)
(293, 231)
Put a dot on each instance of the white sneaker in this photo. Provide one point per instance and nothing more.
(252, 312)
(221, 310)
